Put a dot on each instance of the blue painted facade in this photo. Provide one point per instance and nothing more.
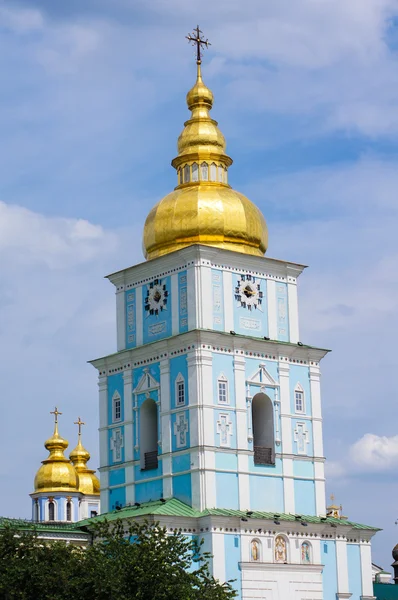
(252, 322)
(329, 574)
(354, 571)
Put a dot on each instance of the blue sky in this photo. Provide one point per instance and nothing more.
(93, 99)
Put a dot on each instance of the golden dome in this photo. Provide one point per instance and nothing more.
(203, 208)
(88, 482)
(56, 474)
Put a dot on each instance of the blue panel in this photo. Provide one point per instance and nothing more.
(180, 437)
(266, 493)
(227, 490)
(304, 497)
(223, 366)
(253, 365)
(226, 461)
(354, 571)
(117, 477)
(153, 369)
(329, 575)
(182, 489)
(299, 374)
(282, 312)
(115, 384)
(150, 490)
(157, 326)
(178, 365)
(218, 299)
(181, 463)
(131, 319)
(307, 444)
(252, 322)
(110, 451)
(182, 302)
(228, 438)
(276, 469)
(141, 475)
(232, 560)
(303, 468)
(117, 497)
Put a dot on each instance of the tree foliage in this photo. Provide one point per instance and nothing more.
(142, 562)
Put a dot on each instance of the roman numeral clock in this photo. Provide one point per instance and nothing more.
(248, 293)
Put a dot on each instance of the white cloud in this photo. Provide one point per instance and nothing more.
(374, 453)
(27, 237)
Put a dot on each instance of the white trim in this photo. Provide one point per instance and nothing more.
(299, 390)
(139, 321)
(175, 305)
(292, 301)
(180, 379)
(116, 397)
(218, 552)
(121, 320)
(228, 301)
(272, 313)
(223, 380)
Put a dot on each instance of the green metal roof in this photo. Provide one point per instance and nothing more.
(176, 508)
(385, 591)
(25, 524)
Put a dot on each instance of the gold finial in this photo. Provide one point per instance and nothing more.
(332, 498)
(197, 39)
(79, 423)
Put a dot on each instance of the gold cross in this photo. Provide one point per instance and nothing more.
(332, 498)
(197, 39)
(79, 423)
(55, 413)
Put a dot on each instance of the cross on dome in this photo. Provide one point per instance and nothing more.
(198, 40)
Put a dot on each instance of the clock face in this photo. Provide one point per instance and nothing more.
(248, 293)
(156, 298)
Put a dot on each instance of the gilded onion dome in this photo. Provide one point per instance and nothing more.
(203, 208)
(88, 482)
(56, 474)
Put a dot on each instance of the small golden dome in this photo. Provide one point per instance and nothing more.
(88, 482)
(56, 474)
(203, 208)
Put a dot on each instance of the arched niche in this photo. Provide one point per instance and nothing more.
(263, 430)
(149, 435)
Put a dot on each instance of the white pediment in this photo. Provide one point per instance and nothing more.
(262, 378)
(146, 383)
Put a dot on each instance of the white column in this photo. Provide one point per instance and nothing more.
(240, 400)
(320, 492)
(139, 315)
(228, 301)
(130, 486)
(104, 495)
(210, 480)
(284, 391)
(164, 394)
(103, 420)
(293, 312)
(128, 416)
(206, 301)
(193, 295)
(366, 571)
(343, 590)
(315, 389)
(218, 551)
(120, 320)
(272, 311)
(175, 302)
(243, 481)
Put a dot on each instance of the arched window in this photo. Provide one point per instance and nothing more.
(195, 172)
(69, 511)
(299, 405)
(225, 175)
(280, 549)
(204, 171)
(306, 553)
(222, 391)
(186, 174)
(51, 511)
(180, 390)
(116, 407)
(213, 172)
(149, 435)
(263, 430)
(220, 173)
(255, 550)
(180, 176)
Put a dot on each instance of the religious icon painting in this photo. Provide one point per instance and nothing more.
(280, 549)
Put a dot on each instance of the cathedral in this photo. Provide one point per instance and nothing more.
(210, 410)
(210, 417)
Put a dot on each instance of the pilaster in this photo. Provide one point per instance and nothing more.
(120, 319)
(128, 416)
(272, 312)
(286, 425)
(139, 315)
(175, 321)
(293, 311)
(240, 399)
(366, 571)
(343, 590)
(228, 301)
